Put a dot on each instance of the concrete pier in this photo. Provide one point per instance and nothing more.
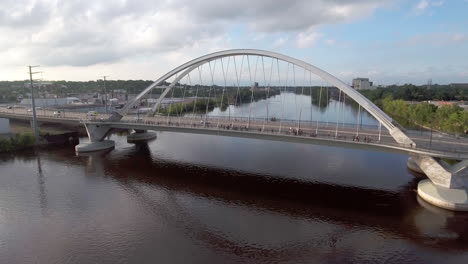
(447, 198)
(94, 146)
(141, 135)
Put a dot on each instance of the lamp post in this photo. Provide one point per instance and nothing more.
(33, 104)
(105, 93)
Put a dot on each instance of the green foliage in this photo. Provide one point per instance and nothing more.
(447, 118)
(16, 142)
(410, 92)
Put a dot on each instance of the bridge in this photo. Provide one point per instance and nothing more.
(205, 83)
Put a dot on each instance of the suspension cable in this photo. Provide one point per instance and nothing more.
(357, 120)
(380, 130)
(320, 106)
(170, 104)
(326, 105)
(300, 103)
(224, 88)
(183, 108)
(284, 93)
(311, 100)
(343, 110)
(196, 97)
(251, 97)
(207, 100)
(338, 114)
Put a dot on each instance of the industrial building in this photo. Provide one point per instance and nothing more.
(363, 84)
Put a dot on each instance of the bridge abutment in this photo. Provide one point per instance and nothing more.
(96, 135)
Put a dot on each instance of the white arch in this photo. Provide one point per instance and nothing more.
(187, 67)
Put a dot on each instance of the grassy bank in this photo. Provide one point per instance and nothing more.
(19, 141)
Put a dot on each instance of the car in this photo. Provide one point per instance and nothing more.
(57, 113)
(9, 107)
(91, 113)
(29, 110)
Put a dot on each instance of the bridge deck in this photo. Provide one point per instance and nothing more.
(441, 145)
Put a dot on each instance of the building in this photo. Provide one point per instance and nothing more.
(459, 85)
(363, 84)
(46, 102)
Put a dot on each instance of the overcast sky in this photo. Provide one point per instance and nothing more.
(389, 41)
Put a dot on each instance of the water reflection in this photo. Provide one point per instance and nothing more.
(42, 187)
(160, 201)
(291, 106)
(239, 197)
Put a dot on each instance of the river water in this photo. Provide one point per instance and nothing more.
(202, 199)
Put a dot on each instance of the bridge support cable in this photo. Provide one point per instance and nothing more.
(311, 100)
(195, 101)
(343, 111)
(295, 90)
(224, 89)
(267, 91)
(238, 76)
(320, 106)
(326, 105)
(200, 68)
(183, 107)
(212, 87)
(282, 95)
(357, 120)
(264, 85)
(300, 103)
(251, 88)
(380, 130)
(338, 114)
(269, 87)
(171, 105)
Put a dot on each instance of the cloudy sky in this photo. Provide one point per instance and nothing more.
(389, 41)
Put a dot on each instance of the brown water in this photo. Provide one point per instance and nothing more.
(201, 199)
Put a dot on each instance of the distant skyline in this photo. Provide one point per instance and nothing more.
(388, 41)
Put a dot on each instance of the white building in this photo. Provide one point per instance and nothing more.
(46, 102)
(363, 84)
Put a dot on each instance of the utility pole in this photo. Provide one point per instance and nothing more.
(33, 104)
(105, 92)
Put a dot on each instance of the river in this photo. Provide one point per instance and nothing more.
(202, 199)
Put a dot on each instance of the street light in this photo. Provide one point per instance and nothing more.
(33, 104)
(105, 93)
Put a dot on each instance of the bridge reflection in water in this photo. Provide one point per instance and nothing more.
(171, 200)
(230, 210)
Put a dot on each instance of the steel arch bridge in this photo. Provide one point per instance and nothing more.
(184, 69)
(446, 187)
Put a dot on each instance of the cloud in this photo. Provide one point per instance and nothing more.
(423, 6)
(280, 42)
(307, 39)
(81, 33)
(330, 42)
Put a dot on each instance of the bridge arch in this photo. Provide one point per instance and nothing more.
(187, 67)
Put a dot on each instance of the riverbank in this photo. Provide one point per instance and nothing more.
(15, 142)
